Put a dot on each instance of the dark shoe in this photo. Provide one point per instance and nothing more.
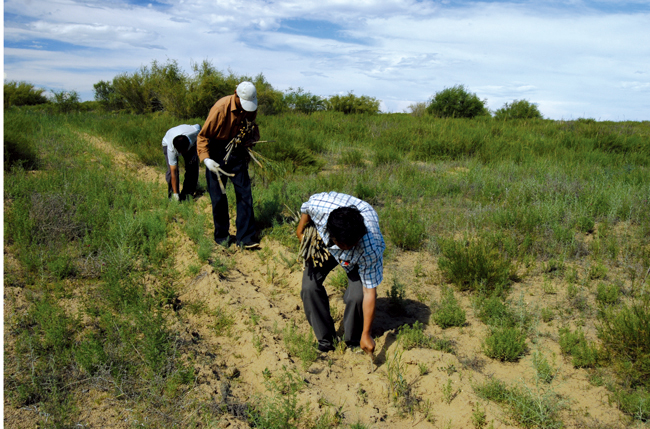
(251, 246)
(225, 242)
(325, 347)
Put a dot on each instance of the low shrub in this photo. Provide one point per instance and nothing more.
(625, 336)
(475, 265)
(448, 312)
(583, 353)
(607, 294)
(518, 109)
(411, 337)
(505, 344)
(404, 227)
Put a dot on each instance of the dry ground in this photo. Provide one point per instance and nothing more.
(262, 284)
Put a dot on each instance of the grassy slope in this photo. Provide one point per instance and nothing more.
(560, 207)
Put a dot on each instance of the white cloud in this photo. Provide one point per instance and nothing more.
(571, 59)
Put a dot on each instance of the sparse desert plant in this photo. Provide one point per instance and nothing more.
(303, 346)
(545, 372)
(625, 336)
(518, 109)
(457, 102)
(583, 353)
(396, 295)
(400, 390)
(405, 228)
(505, 343)
(411, 337)
(448, 312)
(475, 265)
(607, 294)
(479, 418)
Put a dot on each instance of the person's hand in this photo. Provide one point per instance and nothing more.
(367, 344)
(175, 197)
(213, 166)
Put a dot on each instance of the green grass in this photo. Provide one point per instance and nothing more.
(490, 200)
(448, 312)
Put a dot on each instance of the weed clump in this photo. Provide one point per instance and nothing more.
(583, 353)
(448, 312)
(505, 343)
(476, 265)
(303, 346)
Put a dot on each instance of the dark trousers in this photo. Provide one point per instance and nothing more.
(191, 178)
(245, 220)
(317, 305)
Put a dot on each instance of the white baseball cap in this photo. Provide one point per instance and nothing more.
(248, 96)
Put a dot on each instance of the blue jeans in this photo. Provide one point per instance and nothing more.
(245, 220)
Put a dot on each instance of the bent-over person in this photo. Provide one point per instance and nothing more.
(349, 229)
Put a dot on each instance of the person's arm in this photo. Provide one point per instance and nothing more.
(369, 301)
(175, 180)
(304, 220)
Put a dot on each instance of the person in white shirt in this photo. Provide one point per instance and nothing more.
(181, 140)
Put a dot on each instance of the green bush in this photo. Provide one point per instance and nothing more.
(583, 354)
(411, 337)
(505, 343)
(457, 102)
(66, 101)
(448, 312)
(635, 403)
(518, 109)
(625, 336)
(302, 101)
(351, 103)
(475, 265)
(404, 227)
(23, 94)
(607, 294)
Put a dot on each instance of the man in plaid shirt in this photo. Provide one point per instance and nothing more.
(349, 228)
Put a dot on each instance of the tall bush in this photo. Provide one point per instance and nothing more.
(299, 100)
(351, 103)
(457, 102)
(23, 94)
(518, 109)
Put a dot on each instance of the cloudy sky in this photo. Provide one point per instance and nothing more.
(573, 58)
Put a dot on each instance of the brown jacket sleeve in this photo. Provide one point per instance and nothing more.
(209, 130)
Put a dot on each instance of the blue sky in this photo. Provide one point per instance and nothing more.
(573, 58)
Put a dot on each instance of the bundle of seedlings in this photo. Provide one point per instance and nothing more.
(243, 136)
(312, 247)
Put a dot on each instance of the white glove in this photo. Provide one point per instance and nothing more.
(214, 167)
(176, 197)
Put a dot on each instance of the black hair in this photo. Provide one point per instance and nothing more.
(345, 224)
(182, 143)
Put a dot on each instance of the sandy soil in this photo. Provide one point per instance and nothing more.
(263, 284)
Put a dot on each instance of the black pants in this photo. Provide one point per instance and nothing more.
(317, 306)
(245, 220)
(191, 178)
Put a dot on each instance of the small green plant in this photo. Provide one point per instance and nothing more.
(399, 390)
(625, 336)
(396, 295)
(598, 271)
(411, 337)
(505, 343)
(448, 312)
(424, 369)
(223, 322)
(607, 294)
(583, 353)
(475, 265)
(547, 314)
(585, 224)
(338, 279)
(405, 228)
(303, 346)
(479, 418)
(545, 372)
(448, 393)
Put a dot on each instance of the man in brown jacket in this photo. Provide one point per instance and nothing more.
(226, 119)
